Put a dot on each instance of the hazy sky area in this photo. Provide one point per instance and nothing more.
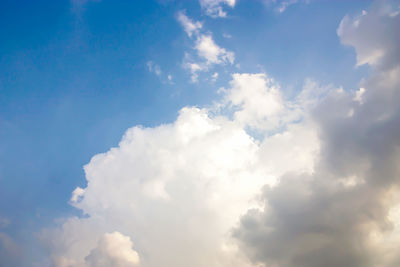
(204, 133)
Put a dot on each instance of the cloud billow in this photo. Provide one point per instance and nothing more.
(341, 214)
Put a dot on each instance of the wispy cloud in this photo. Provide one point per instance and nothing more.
(191, 27)
(282, 5)
(208, 52)
(214, 8)
(152, 67)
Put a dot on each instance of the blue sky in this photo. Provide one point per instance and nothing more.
(75, 75)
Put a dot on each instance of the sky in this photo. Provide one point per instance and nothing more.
(199, 133)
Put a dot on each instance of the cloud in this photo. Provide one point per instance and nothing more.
(113, 249)
(383, 21)
(194, 68)
(211, 52)
(281, 6)
(258, 103)
(152, 67)
(208, 52)
(178, 189)
(258, 98)
(188, 25)
(285, 4)
(256, 179)
(213, 8)
(342, 213)
(214, 77)
(77, 194)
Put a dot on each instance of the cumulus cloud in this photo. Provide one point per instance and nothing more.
(341, 214)
(213, 8)
(257, 179)
(257, 101)
(178, 189)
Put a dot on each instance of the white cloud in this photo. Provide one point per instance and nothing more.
(258, 103)
(211, 52)
(208, 52)
(178, 189)
(317, 187)
(113, 249)
(194, 69)
(77, 194)
(285, 4)
(258, 100)
(281, 6)
(188, 25)
(213, 8)
(358, 95)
